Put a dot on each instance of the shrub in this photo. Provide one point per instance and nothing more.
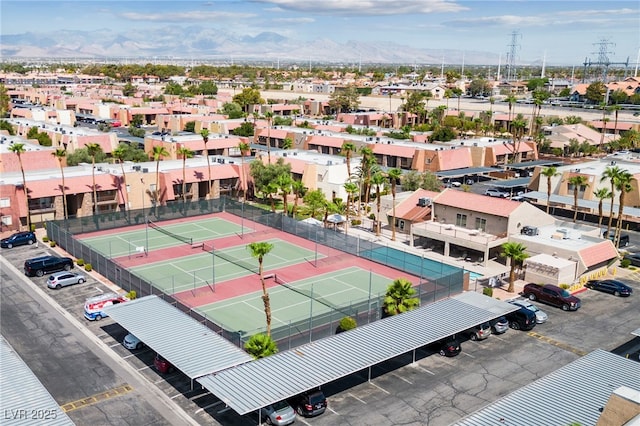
(45, 239)
(346, 324)
(88, 267)
(372, 216)
(625, 263)
(565, 286)
(132, 295)
(356, 222)
(487, 291)
(33, 227)
(80, 262)
(52, 243)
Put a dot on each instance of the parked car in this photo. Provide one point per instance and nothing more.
(633, 258)
(62, 279)
(279, 414)
(162, 365)
(624, 238)
(552, 295)
(39, 266)
(633, 355)
(617, 288)
(131, 342)
(496, 193)
(499, 325)
(94, 306)
(541, 316)
(18, 239)
(449, 346)
(480, 331)
(522, 319)
(310, 403)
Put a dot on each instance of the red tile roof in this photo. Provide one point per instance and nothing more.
(199, 174)
(73, 185)
(325, 141)
(476, 202)
(455, 158)
(393, 150)
(407, 208)
(598, 253)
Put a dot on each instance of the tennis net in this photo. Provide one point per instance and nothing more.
(241, 263)
(312, 296)
(158, 228)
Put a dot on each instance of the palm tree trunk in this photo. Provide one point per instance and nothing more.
(619, 224)
(26, 195)
(600, 214)
(93, 181)
(512, 277)
(575, 204)
(64, 195)
(548, 193)
(265, 298)
(124, 182)
(393, 213)
(378, 213)
(184, 181)
(613, 187)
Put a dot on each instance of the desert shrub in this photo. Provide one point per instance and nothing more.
(80, 262)
(565, 286)
(346, 324)
(487, 291)
(625, 263)
(52, 243)
(132, 295)
(88, 267)
(45, 239)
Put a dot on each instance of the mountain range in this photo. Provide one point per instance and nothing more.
(198, 43)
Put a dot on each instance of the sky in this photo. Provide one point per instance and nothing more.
(562, 32)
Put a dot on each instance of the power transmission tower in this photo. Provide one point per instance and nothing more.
(514, 47)
(602, 64)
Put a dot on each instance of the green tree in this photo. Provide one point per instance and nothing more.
(351, 188)
(260, 346)
(82, 156)
(60, 154)
(185, 153)
(348, 148)
(611, 173)
(595, 92)
(284, 183)
(623, 185)
(299, 191)
(259, 250)
(4, 101)
(205, 140)
(314, 202)
(244, 149)
(549, 172)
(173, 88)
(190, 126)
(18, 149)
(232, 110)
(411, 180)
(93, 149)
(480, 87)
(601, 194)
(511, 100)
(287, 143)
(394, 176)
(136, 120)
(515, 252)
(577, 182)
(5, 125)
(248, 96)
(245, 129)
(120, 154)
(269, 116)
(400, 297)
(378, 180)
(618, 96)
(158, 152)
(345, 100)
(129, 90)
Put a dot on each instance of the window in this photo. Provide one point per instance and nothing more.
(461, 220)
(5, 202)
(6, 220)
(481, 224)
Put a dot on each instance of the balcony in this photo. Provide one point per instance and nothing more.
(471, 238)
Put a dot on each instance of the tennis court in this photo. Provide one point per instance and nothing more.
(211, 266)
(335, 294)
(151, 238)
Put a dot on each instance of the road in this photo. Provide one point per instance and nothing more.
(82, 374)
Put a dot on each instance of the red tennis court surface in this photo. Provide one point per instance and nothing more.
(330, 261)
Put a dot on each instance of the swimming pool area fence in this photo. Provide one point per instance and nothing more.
(437, 280)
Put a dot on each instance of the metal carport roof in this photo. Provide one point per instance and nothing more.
(568, 200)
(573, 394)
(529, 164)
(248, 387)
(465, 172)
(20, 389)
(190, 346)
(512, 183)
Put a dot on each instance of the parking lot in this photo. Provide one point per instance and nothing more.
(434, 390)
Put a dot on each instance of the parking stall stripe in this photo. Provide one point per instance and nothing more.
(356, 398)
(557, 343)
(94, 399)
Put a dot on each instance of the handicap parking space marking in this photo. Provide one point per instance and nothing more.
(556, 343)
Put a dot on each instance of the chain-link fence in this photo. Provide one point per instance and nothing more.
(437, 280)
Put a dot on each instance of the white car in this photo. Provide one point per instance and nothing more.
(58, 280)
(496, 193)
(541, 317)
(131, 342)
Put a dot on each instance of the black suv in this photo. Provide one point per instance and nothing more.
(522, 319)
(39, 266)
(310, 403)
(18, 239)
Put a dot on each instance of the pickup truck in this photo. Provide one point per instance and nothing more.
(552, 295)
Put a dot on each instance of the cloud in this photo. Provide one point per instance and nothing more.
(294, 20)
(368, 7)
(187, 16)
(565, 18)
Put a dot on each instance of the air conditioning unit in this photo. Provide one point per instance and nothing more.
(424, 202)
(145, 170)
(564, 233)
(136, 168)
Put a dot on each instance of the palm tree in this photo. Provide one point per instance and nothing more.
(352, 189)
(259, 250)
(394, 176)
(549, 172)
(269, 116)
(348, 148)
(603, 106)
(244, 148)
(60, 154)
(120, 154)
(366, 169)
(378, 179)
(260, 346)
(18, 149)
(400, 297)
(185, 153)
(623, 184)
(577, 182)
(616, 109)
(511, 100)
(284, 182)
(205, 139)
(518, 127)
(611, 173)
(94, 149)
(515, 252)
(299, 191)
(601, 194)
(158, 152)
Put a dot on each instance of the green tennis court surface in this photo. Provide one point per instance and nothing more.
(334, 294)
(149, 238)
(191, 272)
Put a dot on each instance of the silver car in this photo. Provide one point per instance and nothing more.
(541, 317)
(279, 414)
(65, 278)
